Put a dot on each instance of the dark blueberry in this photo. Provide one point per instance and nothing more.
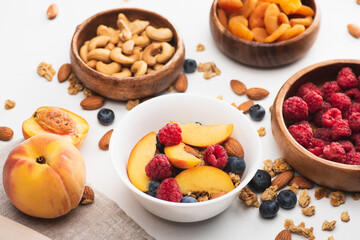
(153, 186)
(261, 181)
(269, 209)
(190, 65)
(188, 199)
(105, 116)
(198, 123)
(287, 199)
(235, 165)
(257, 112)
(159, 145)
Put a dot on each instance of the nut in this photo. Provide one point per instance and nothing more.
(118, 57)
(149, 52)
(88, 196)
(64, 72)
(301, 182)
(52, 11)
(108, 69)
(100, 54)
(132, 103)
(167, 51)
(257, 93)
(125, 33)
(138, 26)
(282, 179)
(92, 103)
(192, 151)
(238, 87)
(6, 133)
(284, 235)
(139, 68)
(108, 31)
(128, 47)
(354, 30)
(245, 106)
(125, 72)
(159, 34)
(181, 83)
(98, 42)
(234, 148)
(105, 140)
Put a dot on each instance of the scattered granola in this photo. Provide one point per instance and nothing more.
(328, 226)
(88, 93)
(200, 196)
(235, 178)
(75, 85)
(280, 165)
(132, 103)
(300, 229)
(209, 69)
(337, 198)
(321, 192)
(250, 198)
(345, 216)
(294, 187)
(233, 104)
(200, 47)
(269, 194)
(304, 199)
(9, 104)
(355, 196)
(308, 211)
(170, 88)
(46, 70)
(331, 237)
(268, 167)
(261, 131)
(220, 97)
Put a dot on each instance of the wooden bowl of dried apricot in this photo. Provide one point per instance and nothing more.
(269, 33)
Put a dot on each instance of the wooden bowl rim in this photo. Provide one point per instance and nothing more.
(228, 34)
(279, 100)
(177, 55)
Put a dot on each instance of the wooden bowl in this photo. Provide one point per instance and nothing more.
(324, 172)
(264, 55)
(129, 87)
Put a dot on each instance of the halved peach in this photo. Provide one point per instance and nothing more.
(140, 155)
(57, 121)
(198, 135)
(179, 157)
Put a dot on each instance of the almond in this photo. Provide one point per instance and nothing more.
(284, 235)
(238, 87)
(88, 196)
(191, 150)
(257, 93)
(245, 106)
(93, 102)
(354, 30)
(283, 179)
(64, 72)
(6, 133)
(181, 83)
(234, 148)
(105, 140)
(301, 182)
(52, 11)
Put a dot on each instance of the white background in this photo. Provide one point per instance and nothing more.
(28, 38)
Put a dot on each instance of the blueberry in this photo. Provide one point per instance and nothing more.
(269, 209)
(257, 112)
(261, 181)
(153, 186)
(105, 116)
(287, 199)
(188, 199)
(235, 165)
(159, 145)
(190, 65)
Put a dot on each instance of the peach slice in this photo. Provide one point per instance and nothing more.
(58, 121)
(179, 157)
(198, 135)
(204, 179)
(140, 155)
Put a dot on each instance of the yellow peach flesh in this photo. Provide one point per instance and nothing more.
(179, 157)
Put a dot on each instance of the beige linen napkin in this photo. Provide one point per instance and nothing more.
(101, 220)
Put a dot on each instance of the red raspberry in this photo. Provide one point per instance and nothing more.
(169, 190)
(317, 151)
(353, 93)
(340, 129)
(317, 117)
(346, 78)
(330, 117)
(356, 139)
(340, 101)
(296, 109)
(316, 142)
(215, 155)
(170, 134)
(329, 88)
(303, 122)
(353, 158)
(323, 134)
(307, 87)
(302, 134)
(313, 101)
(354, 122)
(346, 145)
(159, 167)
(334, 152)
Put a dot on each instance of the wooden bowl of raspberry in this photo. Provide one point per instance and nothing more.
(316, 123)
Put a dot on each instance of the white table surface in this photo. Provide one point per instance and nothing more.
(28, 38)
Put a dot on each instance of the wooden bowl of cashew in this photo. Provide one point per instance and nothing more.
(127, 53)
(260, 54)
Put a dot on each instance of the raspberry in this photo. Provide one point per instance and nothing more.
(313, 101)
(170, 134)
(169, 191)
(340, 101)
(159, 167)
(302, 134)
(353, 93)
(317, 117)
(316, 142)
(346, 78)
(323, 134)
(354, 121)
(296, 109)
(329, 88)
(317, 151)
(334, 152)
(215, 155)
(353, 158)
(356, 139)
(340, 129)
(346, 145)
(330, 117)
(307, 87)
(303, 122)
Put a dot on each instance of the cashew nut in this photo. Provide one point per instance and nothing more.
(125, 72)
(141, 41)
(150, 70)
(124, 18)
(99, 41)
(128, 47)
(167, 51)
(139, 68)
(118, 57)
(137, 54)
(92, 64)
(110, 46)
(138, 26)
(159, 34)
(108, 69)
(149, 53)
(158, 66)
(108, 31)
(100, 54)
(125, 33)
(84, 52)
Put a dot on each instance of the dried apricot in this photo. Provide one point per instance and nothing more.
(230, 5)
(248, 7)
(256, 19)
(290, 6)
(259, 34)
(277, 33)
(305, 11)
(292, 32)
(283, 18)
(271, 18)
(221, 14)
(240, 30)
(303, 21)
(240, 19)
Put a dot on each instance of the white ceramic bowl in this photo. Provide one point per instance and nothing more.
(152, 115)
